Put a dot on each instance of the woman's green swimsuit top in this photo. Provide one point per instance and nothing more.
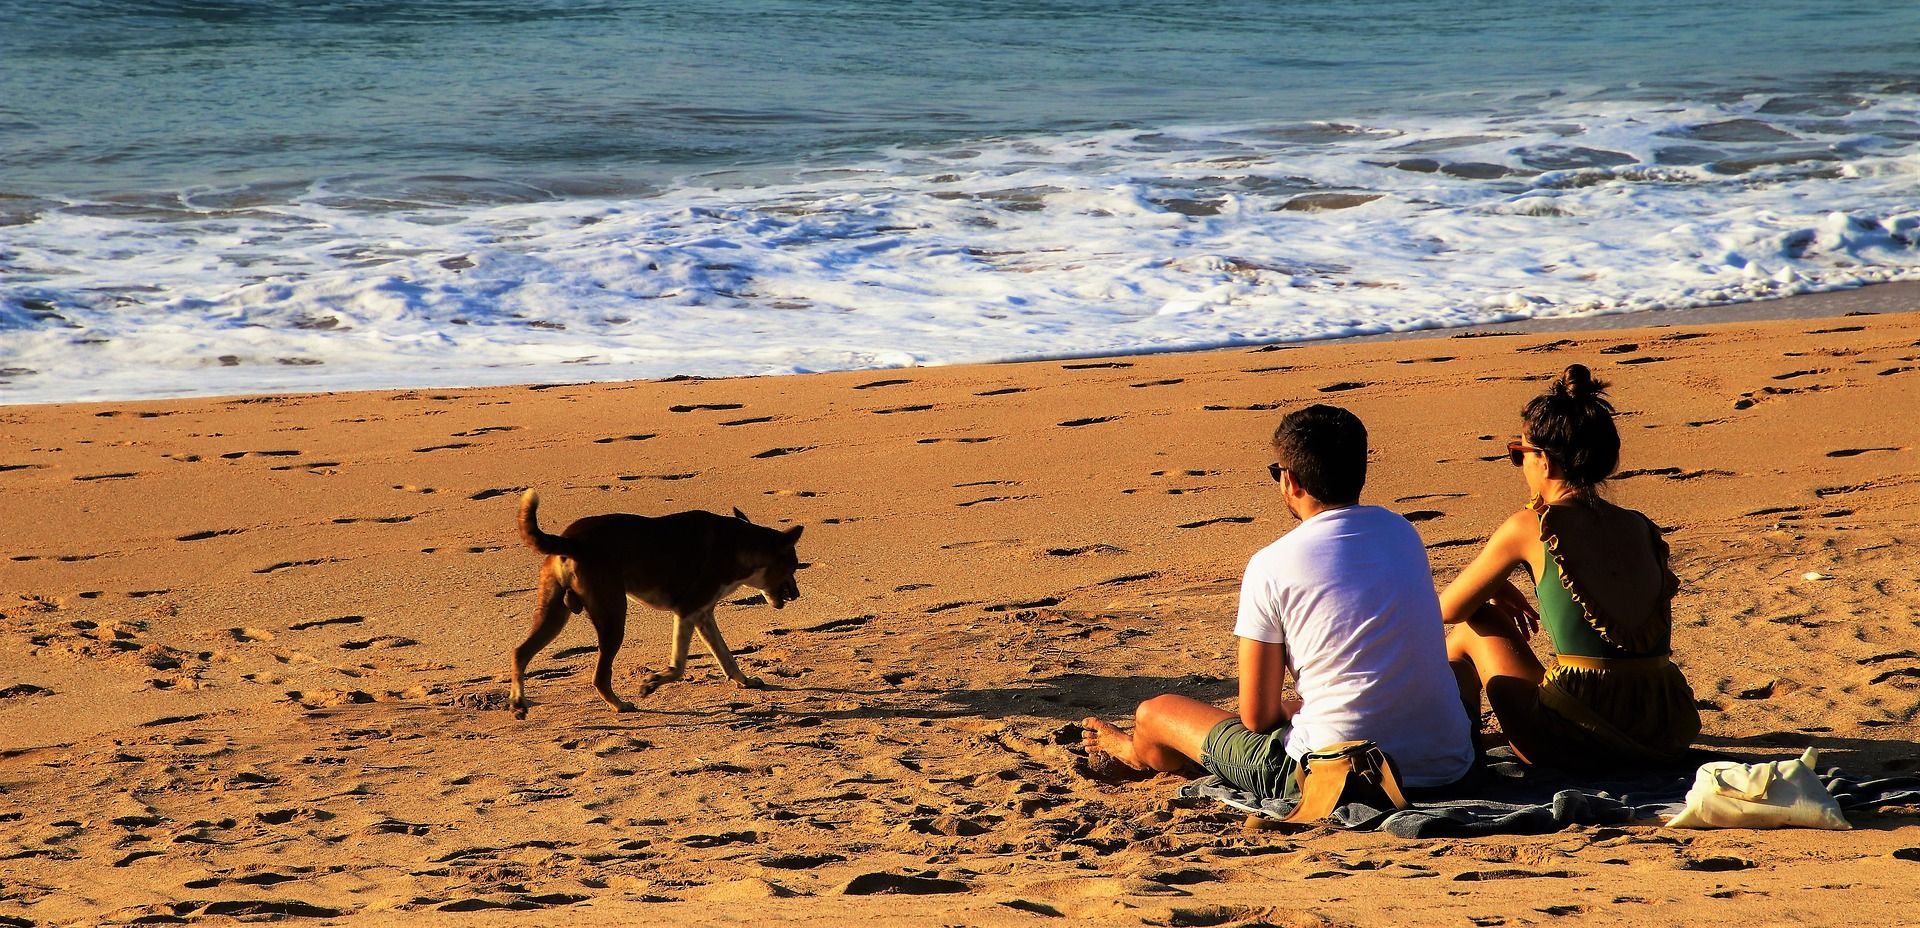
(1564, 620)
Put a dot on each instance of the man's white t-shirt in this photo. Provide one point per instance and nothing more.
(1350, 593)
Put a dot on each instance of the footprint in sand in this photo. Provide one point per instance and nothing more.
(486, 430)
(1648, 359)
(917, 407)
(685, 476)
(1792, 375)
(1237, 520)
(882, 883)
(1003, 391)
(964, 440)
(1850, 452)
(236, 455)
(1824, 492)
(311, 467)
(119, 475)
(1095, 365)
(1901, 674)
(611, 440)
(991, 499)
(1838, 329)
(782, 452)
(1421, 496)
(250, 634)
(1276, 369)
(1422, 515)
(1554, 345)
(492, 492)
(1437, 359)
(1757, 396)
(290, 565)
(880, 383)
(750, 420)
(1342, 386)
(1094, 420)
(322, 623)
(1253, 407)
(1085, 549)
(838, 625)
(211, 533)
(378, 641)
(1672, 473)
(1159, 383)
(410, 488)
(695, 407)
(1041, 603)
(1627, 348)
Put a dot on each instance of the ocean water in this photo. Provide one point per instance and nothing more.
(222, 196)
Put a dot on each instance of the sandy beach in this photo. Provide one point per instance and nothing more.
(255, 649)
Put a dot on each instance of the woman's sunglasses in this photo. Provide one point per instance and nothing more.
(1517, 451)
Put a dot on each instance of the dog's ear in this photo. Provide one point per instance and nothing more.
(793, 534)
(741, 515)
(803, 565)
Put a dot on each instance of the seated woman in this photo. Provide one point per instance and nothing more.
(1605, 593)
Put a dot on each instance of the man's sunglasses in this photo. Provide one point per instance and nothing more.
(1517, 451)
(1274, 471)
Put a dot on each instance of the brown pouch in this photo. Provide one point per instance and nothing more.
(1351, 770)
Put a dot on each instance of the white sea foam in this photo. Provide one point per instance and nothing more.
(1036, 247)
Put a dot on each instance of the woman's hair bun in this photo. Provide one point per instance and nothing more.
(1577, 383)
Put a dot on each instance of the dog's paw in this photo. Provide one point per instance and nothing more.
(750, 683)
(520, 712)
(625, 706)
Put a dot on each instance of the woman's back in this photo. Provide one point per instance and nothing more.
(1606, 590)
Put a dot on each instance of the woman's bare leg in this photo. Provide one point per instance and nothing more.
(1168, 733)
(1488, 655)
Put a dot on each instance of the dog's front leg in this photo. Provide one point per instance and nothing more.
(677, 659)
(709, 630)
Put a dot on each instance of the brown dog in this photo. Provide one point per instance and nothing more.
(685, 563)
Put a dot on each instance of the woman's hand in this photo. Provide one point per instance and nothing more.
(1506, 599)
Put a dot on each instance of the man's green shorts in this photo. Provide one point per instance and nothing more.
(1257, 763)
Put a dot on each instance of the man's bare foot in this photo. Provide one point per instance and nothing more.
(1108, 746)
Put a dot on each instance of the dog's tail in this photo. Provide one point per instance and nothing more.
(535, 538)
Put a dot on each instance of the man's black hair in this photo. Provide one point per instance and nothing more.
(1325, 448)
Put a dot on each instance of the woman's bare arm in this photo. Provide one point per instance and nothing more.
(1509, 547)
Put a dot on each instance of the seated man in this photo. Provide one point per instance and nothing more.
(1345, 602)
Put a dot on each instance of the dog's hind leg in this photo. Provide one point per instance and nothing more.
(709, 630)
(549, 617)
(607, 607)
(683, 627)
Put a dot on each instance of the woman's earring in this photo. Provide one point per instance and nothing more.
(1537, 503)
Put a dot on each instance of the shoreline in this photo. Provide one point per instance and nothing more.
(1870, 299)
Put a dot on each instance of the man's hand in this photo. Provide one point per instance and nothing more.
(1512, 605)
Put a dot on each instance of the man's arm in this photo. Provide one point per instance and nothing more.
(1263, 678)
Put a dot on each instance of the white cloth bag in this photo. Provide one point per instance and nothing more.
(1779, 794)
